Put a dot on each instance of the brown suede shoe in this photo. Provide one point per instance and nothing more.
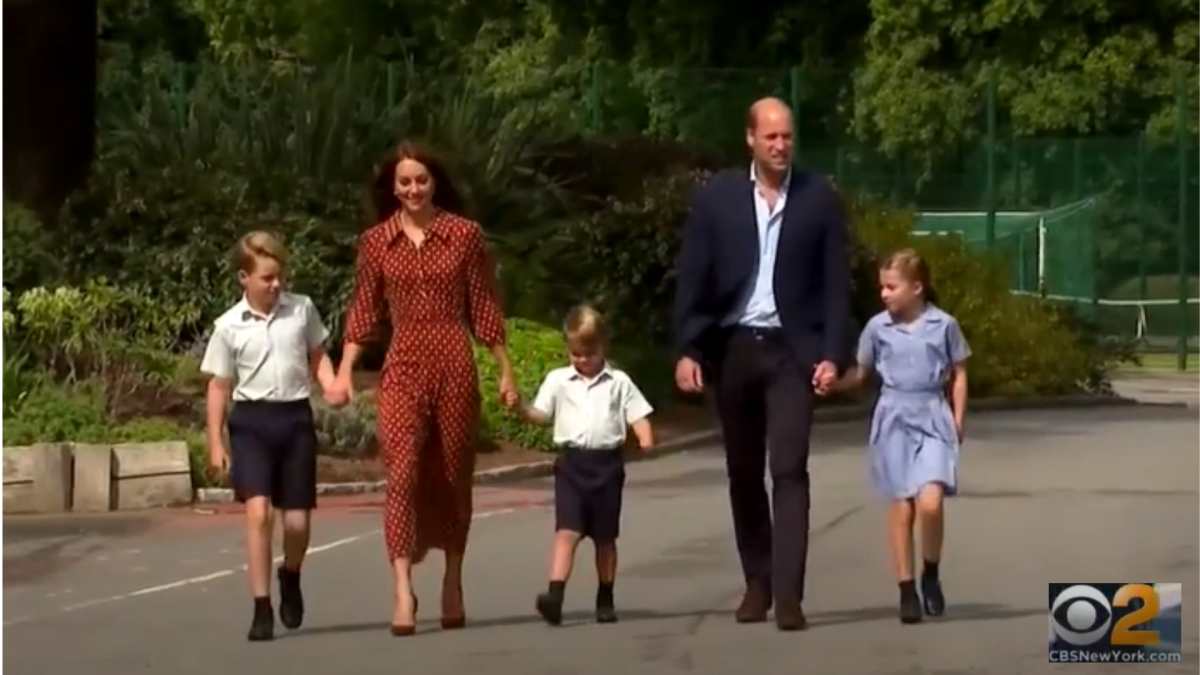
(789, 616)
(755, 604)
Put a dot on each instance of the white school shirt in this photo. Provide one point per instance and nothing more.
(591, 413)
(267, 354)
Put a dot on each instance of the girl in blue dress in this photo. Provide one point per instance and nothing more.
(919, 352)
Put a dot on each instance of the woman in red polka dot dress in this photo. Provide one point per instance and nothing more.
(426, 271)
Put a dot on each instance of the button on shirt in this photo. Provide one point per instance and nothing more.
(759, 307)
(591, 413)
(267, 354)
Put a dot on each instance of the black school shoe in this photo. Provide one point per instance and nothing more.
(291, 600)
(550, 608)
(606, 614)
(931, 595)
(262, 628)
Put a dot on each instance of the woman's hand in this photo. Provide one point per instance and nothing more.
(509, 397)
(341, 392)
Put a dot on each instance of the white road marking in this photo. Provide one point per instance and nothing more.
(222, 573)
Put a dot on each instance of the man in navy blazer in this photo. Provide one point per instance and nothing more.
(761, 313)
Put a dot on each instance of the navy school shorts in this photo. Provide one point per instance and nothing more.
(587, 492)
(274, 452)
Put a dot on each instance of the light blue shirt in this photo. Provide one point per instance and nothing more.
(758, 309)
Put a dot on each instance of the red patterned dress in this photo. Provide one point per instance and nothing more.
(436, 296)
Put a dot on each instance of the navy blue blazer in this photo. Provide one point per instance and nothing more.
(718, 262)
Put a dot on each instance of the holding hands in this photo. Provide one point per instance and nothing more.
(338, 391)
(824, 379)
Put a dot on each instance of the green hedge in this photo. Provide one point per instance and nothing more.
(55, 413)
(534, 350)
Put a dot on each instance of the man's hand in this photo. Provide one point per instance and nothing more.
(824, 377)
(688, 376)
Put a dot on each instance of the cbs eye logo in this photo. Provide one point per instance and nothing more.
(1082, 615)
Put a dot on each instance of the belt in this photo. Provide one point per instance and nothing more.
(759, 332)
(583, 448)
(915, 392)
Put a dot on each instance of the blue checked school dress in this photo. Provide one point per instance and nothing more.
(913, 441)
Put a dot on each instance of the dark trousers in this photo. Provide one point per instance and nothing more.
(764, 399)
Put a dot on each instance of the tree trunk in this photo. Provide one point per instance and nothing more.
(49, 100)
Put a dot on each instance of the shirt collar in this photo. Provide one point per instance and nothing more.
(436, 227)
(246, 312)
(604, 372)
(783, 185)
(928, 314)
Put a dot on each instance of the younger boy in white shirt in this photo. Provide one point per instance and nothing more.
(591, 404)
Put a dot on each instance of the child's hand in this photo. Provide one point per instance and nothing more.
(511, 399)
(218, 460)
(336, 397)
(824, 388)
(824, 378)
(958, 426)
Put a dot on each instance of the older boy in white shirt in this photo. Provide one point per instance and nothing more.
(591, 404)
(262, 353)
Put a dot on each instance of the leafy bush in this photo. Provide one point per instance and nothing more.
(190, 157)
(628, 250)
(29, 258)
(53, 413)
(120, 336)
(1022, 345)
(534, 350)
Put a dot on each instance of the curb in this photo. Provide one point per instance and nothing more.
(838, 413)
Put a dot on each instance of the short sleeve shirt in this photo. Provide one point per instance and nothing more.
(591, 413)
(915, 356)
(267, 355)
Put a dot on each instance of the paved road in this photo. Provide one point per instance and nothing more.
(1080, 495)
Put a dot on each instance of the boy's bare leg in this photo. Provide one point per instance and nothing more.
(296, 534)
(297, 529)
(563, 556)
(258, 568)
(259, 522)
(549, 604)
(606, 573)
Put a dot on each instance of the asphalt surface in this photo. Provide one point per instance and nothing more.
(1102, 494)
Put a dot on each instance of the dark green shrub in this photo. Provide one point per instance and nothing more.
(534, 350)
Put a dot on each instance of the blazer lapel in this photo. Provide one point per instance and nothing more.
(748, 247)
(792, 213)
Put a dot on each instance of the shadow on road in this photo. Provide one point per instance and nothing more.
(964, 612)
(570, 620)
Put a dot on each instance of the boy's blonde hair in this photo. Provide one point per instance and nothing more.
(586, 327)
(259, 244)
(913, 268)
